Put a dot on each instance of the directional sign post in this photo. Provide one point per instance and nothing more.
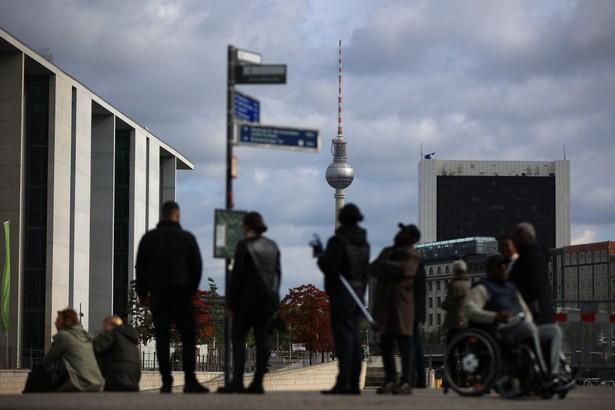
(269, 136)
(247, 108)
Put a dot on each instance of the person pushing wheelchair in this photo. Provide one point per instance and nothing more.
(496, 302)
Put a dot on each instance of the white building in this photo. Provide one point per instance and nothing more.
(459, 199)
(81, 183)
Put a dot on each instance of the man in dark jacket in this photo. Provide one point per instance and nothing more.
(118, 356)
(168, 274)
(419, 379)
(346, 254)
(530, 274)
(254, 296)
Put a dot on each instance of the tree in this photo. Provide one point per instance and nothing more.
(305, 309)
(141, 318)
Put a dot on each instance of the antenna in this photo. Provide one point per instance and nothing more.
(340, 135)
(564, 152)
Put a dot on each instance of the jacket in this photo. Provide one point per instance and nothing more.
(453, 303)
(168, 258)
(347, 254)
(530, 273)
(477, 302)
(255, 279)
(395, 270)
(119, 358)
(72, 349)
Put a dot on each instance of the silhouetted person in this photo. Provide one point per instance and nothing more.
(169, 269)
(455, 319)
(346, 254)
(395, 270)
(419, 379)
(254, 297)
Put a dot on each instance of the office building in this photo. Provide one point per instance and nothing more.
(81, 183)
(459, 199)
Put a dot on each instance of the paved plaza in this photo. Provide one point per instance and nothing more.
(594, 398)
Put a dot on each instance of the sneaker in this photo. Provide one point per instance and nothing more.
(167, 385)
(195, 388)
(232, 388)
(255, 389)
(402, 388)
(386, 388)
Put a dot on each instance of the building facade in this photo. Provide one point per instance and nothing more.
(459, 199)
(81, 183)
(438, 258)
(583, 276)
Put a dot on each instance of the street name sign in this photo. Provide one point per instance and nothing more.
(247, 108)
(271, 136)
(248, 57)
(261, 74)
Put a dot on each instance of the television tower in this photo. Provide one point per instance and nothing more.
(339, 173)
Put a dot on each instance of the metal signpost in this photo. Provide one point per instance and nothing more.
(246, 67)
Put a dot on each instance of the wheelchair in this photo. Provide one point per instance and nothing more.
(476, 361)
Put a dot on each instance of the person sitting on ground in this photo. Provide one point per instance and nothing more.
(495, 300)
(118, 356)
(71, 358)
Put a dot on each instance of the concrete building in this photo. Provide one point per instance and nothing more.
(439, 257)
(81, 183)
(459, 199)
(584, 275)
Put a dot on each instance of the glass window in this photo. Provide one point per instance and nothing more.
(588, 257)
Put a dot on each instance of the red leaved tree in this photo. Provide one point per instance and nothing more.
(306, 310)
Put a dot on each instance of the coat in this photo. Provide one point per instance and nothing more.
(453, 303)
(119, 358)
(395, 270)
(255, 281)
(72, 348)
(530, 273)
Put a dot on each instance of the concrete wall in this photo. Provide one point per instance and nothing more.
(312, 378)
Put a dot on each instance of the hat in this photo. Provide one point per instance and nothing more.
(411, 230)
(350, 214)
(495, 259)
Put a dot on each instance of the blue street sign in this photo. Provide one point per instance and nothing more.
(247, 108)
(268, 136)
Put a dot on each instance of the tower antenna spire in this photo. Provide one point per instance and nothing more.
(340, 134)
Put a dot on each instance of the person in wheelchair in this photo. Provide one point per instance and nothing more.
(497, 303)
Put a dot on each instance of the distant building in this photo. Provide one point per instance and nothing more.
(459, 199)
(81, 183)
(584, 275)
(439, 257)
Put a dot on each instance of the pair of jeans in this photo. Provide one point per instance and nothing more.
(345, 322)
(242, 323)
(404, 343)
(168, 308)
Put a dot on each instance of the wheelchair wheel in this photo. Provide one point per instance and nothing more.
(472, 362)
(520, 373)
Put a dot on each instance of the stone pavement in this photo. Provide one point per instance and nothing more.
(594, 398)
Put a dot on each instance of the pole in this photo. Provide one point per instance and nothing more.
(339, 196)
(230, 113)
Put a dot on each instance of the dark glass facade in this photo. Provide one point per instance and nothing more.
(35, 217)
(493, 205)
(122, 216)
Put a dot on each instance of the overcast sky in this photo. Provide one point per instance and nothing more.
(476, 79)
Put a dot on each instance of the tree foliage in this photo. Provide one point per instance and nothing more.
(142, 321)
(305, 309)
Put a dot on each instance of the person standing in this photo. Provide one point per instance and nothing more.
(118, 356)
(530, 274)
(70, 364)
(346, 254)
(506, 247)
(455, 319)
(395, 270)
(419, 379)
(169, 269)
(254, 297)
